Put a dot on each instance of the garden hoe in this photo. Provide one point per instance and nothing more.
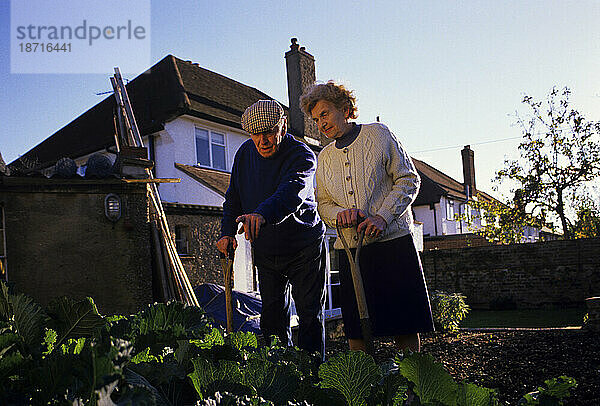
(227, 263)
(359, 290)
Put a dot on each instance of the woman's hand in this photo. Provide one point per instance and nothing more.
(349, 217)
(373, 226)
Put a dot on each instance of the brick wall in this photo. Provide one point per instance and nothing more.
(550, 273)
(59, 242)
(202, 263)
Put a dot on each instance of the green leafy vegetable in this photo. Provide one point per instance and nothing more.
(431, 382)
(352, 374)
(74, 319)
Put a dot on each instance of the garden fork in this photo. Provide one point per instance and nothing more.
(359, 290)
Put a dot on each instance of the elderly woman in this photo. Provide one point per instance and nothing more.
(367, 175)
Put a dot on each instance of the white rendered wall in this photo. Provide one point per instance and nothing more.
(177, 144)
(424, 215)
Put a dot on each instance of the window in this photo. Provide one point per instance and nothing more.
(181, 239)
(468, 212)
(450, 209)
(210, 148)
(482, 218)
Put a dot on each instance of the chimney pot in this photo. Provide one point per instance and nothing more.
(294, 46)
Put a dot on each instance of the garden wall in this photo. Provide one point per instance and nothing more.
(532, 275)
(59, 241)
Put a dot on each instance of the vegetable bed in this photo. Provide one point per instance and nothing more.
(513, 362)
(170, 354)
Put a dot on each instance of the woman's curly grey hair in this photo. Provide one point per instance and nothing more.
(335, 93)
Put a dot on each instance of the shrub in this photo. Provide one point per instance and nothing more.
(448, 310)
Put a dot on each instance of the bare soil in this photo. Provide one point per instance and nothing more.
(513, 362)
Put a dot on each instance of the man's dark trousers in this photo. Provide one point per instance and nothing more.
(305, 272)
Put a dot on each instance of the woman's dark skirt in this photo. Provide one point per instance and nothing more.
(395, 288)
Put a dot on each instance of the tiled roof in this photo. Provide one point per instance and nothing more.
(211, 178)
(435, 183)
(170, 88)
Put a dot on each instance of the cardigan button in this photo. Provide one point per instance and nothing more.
(346, 163)
(351, 192)
(345, 150)
(348, 177)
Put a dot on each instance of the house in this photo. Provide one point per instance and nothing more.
(189, 118)
(443, 203)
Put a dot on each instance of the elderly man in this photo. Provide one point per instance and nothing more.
(271, 193)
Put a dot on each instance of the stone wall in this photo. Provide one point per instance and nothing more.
(450, 241)
(59, 242)
(202, 263)
(532, 275)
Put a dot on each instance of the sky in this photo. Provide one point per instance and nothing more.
(440, 74)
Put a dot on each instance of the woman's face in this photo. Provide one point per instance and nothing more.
(331, 121)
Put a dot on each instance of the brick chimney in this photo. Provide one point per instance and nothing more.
(300, 75)
(468, 161)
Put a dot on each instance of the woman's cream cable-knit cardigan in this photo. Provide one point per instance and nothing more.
(374, 174)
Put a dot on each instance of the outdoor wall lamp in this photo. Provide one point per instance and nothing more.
(112, 207)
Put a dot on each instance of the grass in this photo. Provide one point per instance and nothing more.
(523, 318)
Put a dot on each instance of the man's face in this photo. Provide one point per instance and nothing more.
(267, 143)
(330, 120)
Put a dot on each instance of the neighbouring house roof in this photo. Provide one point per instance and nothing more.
(435, 183)
(174, 87)
(211, 178)
(170, 88)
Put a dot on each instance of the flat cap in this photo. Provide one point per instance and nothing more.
(262, 116)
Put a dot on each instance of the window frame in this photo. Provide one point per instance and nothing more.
(211, 142)
(450, 213)
(186, 232)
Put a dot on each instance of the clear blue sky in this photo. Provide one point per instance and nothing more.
(438, 73)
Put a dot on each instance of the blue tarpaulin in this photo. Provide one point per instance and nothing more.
(246, 307)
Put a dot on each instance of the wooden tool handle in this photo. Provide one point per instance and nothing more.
(227, 262)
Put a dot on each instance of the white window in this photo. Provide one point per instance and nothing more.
(450, 209)
(210, 149)
(482, 219)
(468, 212)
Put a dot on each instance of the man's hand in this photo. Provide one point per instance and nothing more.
(373, 226)
(252, 223)
(224, 243)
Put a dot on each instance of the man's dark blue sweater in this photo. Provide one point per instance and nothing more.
(280, 188)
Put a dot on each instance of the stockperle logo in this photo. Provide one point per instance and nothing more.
(59, 36)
